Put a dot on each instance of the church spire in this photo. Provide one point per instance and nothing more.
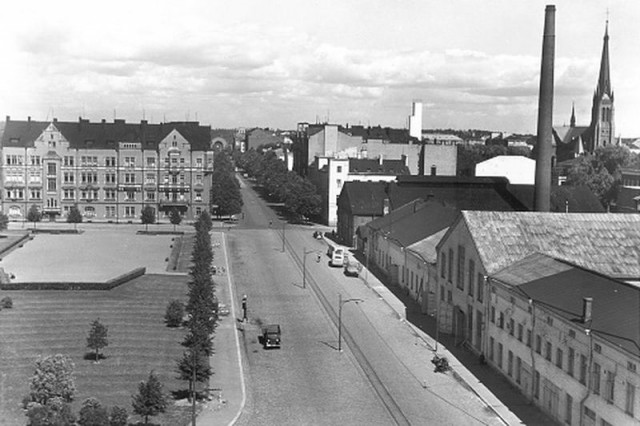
(604, 79)
(572, 123)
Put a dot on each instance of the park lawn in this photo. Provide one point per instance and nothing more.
(43, 323)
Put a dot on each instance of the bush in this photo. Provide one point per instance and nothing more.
(6, 303)
(118, 416)
(174, 314)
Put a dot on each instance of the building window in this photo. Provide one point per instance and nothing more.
(472, 276)
(129, 161)
(130, 196)
(35, 160)
(150, 178)
(491, 344)
(589, 413)
(460, 271)
(610, 387)
(68, 177)
(538, 344)
(110, 178)
(512, 326)
(51, 184)
(151, 161)
(536, 384)
(198, 179)
(110, 211)
(510, 364)
(68, 161)
(583, 369)
(518, 369)
(109, 194)
(339, 169)
(51, 169)
(630, 400)
(500, 355)
(129, 211)
(568, 410)
(493, 315)
(450, 268)
(443, 265)
(69, 194)
(199, 162)
(129, 178)
(559, 358)
(35, 194)
(528, 338)
(548, 351)
(480, 292)
(595, 378)
(520, 332)
(89, 177)
(89, 211)
(198, 196)
(151, 196)
(501, 320)
(631, 366)
(571, 362)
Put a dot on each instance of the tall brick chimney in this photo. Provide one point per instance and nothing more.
(542, 201)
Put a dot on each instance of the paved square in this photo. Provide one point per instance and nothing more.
(95, 255)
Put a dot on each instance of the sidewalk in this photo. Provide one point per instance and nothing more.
(227, 382)
(496, 392)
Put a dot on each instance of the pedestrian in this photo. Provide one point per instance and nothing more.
(244, 307)
(318, 258)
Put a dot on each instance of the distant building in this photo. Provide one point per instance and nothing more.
(110, 171)
(517, 169)
(628, 200)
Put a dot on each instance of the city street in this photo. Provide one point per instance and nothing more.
(384, 374)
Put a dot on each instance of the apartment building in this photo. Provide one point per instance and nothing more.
(110, 171)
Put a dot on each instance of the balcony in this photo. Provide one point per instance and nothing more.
(174, 187)
(130, 187)
(167, 205)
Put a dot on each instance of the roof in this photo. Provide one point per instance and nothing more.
(603, 242)
(415, 221)
(626, 200)
(465, 193)
(103, 134)
(562, 288)
(567, 134)
(580, 198)
(364, 198)
(373, 166)
(426, 247)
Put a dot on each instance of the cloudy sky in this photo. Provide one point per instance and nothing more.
(473, 63)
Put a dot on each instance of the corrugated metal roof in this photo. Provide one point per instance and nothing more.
(562, 288)
(603, 242)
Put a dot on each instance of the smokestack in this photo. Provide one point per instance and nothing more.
(587, 302)
(542, 202)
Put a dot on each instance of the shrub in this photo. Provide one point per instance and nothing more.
(6, 302)
(119, 416)
(174, 314)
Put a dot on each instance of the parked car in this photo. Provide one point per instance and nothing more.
(352, 268)
(337, 255)
(271, 336)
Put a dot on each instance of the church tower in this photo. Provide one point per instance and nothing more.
(602, 112)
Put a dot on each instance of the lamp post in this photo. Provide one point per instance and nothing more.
(304, 266)
(340, 304)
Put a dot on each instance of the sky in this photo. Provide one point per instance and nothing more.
(245, 63)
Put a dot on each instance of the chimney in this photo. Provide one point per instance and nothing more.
(542, 202)
(8, 118)
(587, 302)
(29, 119)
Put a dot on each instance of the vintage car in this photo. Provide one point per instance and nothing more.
(271, 336)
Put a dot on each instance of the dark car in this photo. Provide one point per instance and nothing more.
(271, 336)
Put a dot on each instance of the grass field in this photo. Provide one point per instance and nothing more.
(43, 323)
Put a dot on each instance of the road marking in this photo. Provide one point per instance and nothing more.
(232, 307)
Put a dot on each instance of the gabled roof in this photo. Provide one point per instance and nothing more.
(580, 198)
(103, 134)
(465, 193)
(603, 242)
(426, 247)
(364, 198)
(415, 221)
(561, 287)
(372, 166)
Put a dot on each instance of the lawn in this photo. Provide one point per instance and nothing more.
(43, 323)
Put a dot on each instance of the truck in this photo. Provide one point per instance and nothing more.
(271, 336)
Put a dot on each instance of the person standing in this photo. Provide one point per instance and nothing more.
(244, 307)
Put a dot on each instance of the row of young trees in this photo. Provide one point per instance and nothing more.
(298, 194)
(200, 309)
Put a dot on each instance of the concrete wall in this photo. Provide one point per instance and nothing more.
(519, 170)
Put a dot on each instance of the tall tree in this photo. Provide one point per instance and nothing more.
(147, 216)
(97, 337)
(34, 215)
(53, 378)
(150, 400)
(74, 216)
(175, 218)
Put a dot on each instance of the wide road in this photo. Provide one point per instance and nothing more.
(308, 381)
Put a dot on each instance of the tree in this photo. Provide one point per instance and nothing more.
(34, 215)
(53, 378)
(148, 216)
(97, 337)
(93, 413)
(118, 417)
(225, 193)
(74, 216)
(199, 359)
(175, 218)
(586, 171)
(174, 314)
(56, 412)
(149, 400)
(4, 221)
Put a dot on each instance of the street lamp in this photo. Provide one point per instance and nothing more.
(304, 266)
(340, 304)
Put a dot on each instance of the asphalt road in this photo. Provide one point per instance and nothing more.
(307, 381)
